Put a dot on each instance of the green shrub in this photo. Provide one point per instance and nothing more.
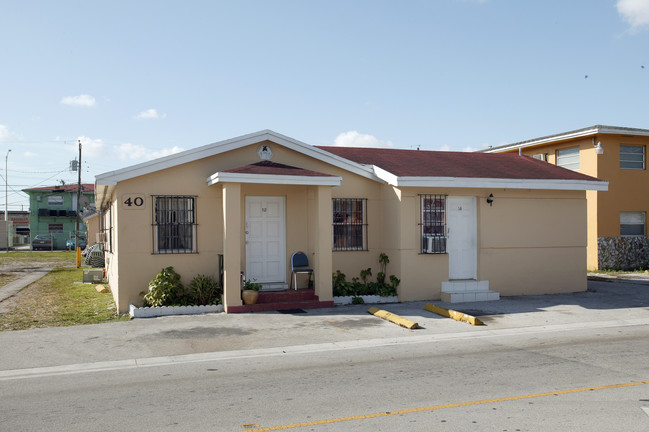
(251, 285)
(341, 287)
(363, 286)
(166, 290)
(204, 290)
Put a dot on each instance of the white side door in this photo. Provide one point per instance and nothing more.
(462, 237)
(265, 239)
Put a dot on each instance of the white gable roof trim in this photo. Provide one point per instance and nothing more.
(113, 177)
(225, 177)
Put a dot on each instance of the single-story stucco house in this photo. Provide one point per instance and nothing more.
(459, 226)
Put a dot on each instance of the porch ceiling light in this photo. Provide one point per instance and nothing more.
(490, 199)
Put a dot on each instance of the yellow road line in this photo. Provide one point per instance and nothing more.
(439, 407)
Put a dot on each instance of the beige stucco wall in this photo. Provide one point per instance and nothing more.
(528, 241)
(92, 228)
(137, 265)
(533, 242)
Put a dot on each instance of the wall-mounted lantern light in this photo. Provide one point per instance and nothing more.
(598, 147)
(490, 199)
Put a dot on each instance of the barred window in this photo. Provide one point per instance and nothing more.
(349, 224)
(174, 228)
(433, 224)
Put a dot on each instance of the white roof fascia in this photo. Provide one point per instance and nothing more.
(102, 193)
(221, 177)
(384, 175)
(90, 216)
(113, 177)
(501, 183)
(578, 134)
(623, 131)
(570, 135)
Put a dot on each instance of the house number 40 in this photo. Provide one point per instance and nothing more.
(133, 201)
(137, 201)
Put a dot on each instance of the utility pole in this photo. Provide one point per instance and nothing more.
(7, 198)
(76, 228)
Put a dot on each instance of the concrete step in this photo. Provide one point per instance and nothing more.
(262, 307)
(274, 286)
(465, 285)
(470, 296)
(287, 296)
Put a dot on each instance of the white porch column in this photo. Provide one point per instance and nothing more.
(231, 245)
(322, 265)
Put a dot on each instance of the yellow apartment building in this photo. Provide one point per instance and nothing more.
(617, 232)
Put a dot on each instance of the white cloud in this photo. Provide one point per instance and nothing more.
(445, 147)
(165, 152)
(30, 154)
(151, 113)
(355, 139)
(81, 100)
(128, 151)
(90, 148)
(634, 12)
(5, 134)
(474, 149)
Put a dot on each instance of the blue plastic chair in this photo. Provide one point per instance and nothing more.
(299, 264)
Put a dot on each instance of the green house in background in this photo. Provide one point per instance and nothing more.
(53, 210)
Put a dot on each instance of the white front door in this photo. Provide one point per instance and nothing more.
(462, 243)
(265, 239)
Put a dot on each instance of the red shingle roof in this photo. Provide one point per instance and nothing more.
(272, 168)
(423, 163)
(85, 187)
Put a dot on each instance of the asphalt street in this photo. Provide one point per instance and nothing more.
(553, 362)
(614, 303)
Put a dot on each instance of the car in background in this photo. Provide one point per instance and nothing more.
(71, 243)
(42, 241)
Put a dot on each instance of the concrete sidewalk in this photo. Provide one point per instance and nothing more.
(617, 303)
(15, 286)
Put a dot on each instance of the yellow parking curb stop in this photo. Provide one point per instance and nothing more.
(396, 319)
(458, 316)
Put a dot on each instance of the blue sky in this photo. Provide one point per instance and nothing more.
(135, 80)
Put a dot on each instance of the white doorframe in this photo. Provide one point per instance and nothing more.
(265, 231)
(462, 242)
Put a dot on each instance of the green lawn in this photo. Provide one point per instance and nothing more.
(57, 299)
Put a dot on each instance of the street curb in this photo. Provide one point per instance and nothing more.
(280, 351)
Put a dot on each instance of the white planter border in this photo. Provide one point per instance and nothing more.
(345, 300)
(150, 312)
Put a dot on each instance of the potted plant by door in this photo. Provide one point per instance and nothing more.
(250, 292)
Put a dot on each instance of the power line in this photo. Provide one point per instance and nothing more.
(33, 172)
